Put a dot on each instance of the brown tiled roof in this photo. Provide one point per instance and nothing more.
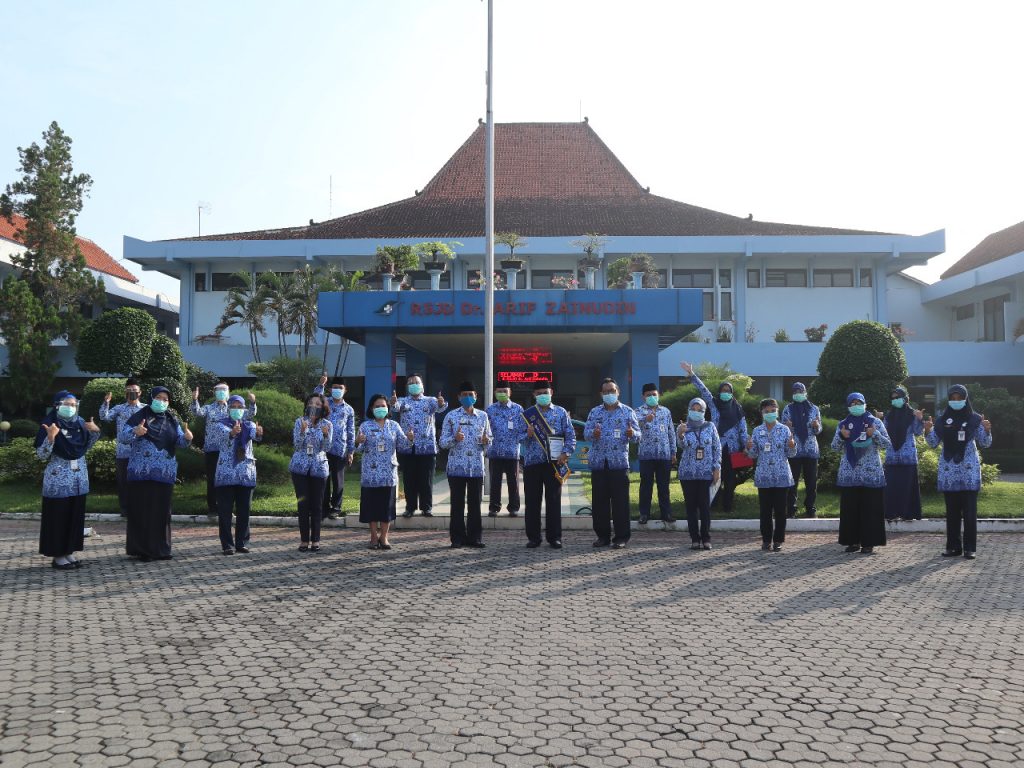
(550, 179)
(998, 245)
(95, 257)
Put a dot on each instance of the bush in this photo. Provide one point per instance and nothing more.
(102, 468)
(120, 341)
(18, 462)
(292, 376)
(271, 466)
(191, 463)
(196, 376)
(862, 356)
(23, 428)
(1008, 459)
(166, 368)
(92, 399)
(276, 413)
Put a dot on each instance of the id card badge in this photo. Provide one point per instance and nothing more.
(75, 467)
(699, 454)
(380, 447)
(617, 434)
(309, 449)
(961, 435)
(768, 446)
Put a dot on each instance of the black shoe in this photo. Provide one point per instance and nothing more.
(513, 513)
(695, 545)
(242, 550)
(477, 544)
(601, 543)
(332, 515)
(811, 513)
(228, 551)
(766, 546)
(63, 566)
(385, 547)
(952, 553)
(776, 547)
(555, 544)
(867, 550)
(407, 513)
(427, 513)
(456, 545)
(852, 548)
(374, 545)
(969, 555)
(493, 513)
(791, 514)
(667, 520)
(644, 519)
(618, 545)
(314, 547)
(78, 563)
(532, 544)
(303, 547)
(706, 545)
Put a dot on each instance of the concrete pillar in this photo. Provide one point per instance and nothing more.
(435, 279)
(643, 366)
(638, 279)
(380, 364)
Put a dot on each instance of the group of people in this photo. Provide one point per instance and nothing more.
(399, 433)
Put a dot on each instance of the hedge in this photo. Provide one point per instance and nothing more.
(275, 412)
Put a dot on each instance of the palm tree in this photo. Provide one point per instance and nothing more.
(277, 288)
(246, 304)
(301, 304)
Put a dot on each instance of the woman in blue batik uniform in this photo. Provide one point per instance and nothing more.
(311, 437)
(902, 490)
(62, 441)
(772, 445)
(235, 476)
(960, 431)
(154, 435)
(700, 465)
(861, 479)
(378, 440)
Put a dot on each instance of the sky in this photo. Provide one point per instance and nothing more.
(886, 116)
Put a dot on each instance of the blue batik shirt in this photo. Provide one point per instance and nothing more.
(60, 478)
(561, 425)
(147, 462)
(417, 414)
(465, 458)
(215, 411)
(121, 412)
(230, 472)
(343, 417)
(657, 437)
(869, 472)
(965, 476)
(508, 429)
(310, 456)
(611, 449)
(808, 449)
(733, 441)
(703, 443)
(771, 451)
(907, 454)
(379, 466)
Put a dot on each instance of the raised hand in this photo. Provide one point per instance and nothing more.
(107, 397)
(459, 437)
(919, 415)
(140, 429)
(195, 394)
(360, 439)
(597, 432)
(393, 400)
(51, 431)
(187, 432)
(323, 380)
(236, 429)
(985, 423)
(259, 431)
(91, 425)
(870, 431)
(687, 367)
(252, 398)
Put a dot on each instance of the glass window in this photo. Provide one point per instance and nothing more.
(200, 283)
(833, 278)
(994, 321)
(692, 278)
(225, 281)
(726, 306)
(709, 306)
(541, 278)
(420, 280)
(662, 278)
(725, 278)
(753, 278)
(785, 278)
(965, 312)
(865, 277)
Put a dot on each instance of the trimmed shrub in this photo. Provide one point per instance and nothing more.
(166, 368)
(196, 376)
(275, 412)
(862, 356)
(18, 462)
(102, 469)
(271, 466)
(293, 376)
(191, 464)
(92, 399)
(23, 428)
(119, 341)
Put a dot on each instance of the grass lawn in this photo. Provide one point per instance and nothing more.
(998, 500)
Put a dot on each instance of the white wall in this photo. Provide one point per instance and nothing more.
(795, 309)
(923, 323)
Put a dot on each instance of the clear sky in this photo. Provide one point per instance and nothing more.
(893, 116)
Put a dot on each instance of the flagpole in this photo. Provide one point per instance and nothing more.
(489, 217)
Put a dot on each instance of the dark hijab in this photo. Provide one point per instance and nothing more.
(951, 423)
(245, 435)
(855, 425)
(162, 428)
(800, 414)
(729, 413)
(899, 420)
(73, 439)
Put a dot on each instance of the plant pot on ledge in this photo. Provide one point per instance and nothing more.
(511, 263)
(439, 266)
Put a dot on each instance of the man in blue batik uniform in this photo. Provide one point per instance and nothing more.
(416, 415)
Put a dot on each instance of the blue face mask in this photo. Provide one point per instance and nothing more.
(66, 411)
(544, 400)
(770, 417)
(651, 400)
(725, 396)
(857, 410)
(957, 405)
(158, 406)
(697, 416)
(898, 402)
(799, 397)
(337, 394)
(610, 399)
(415, 389)
(220, 394)
(467, 400)
(380, 412)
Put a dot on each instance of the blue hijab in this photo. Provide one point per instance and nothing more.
(855, 425)
(952, 422)
(73, 439)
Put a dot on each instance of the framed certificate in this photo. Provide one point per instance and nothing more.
(556, 446)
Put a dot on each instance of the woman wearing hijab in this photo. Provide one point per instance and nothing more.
(235, 475)
(902, 491)
(700, 465)
(861, 479)
(311, 437)
(772, 445)
(804, 420)
(378, 440)
(727, 416)
(154, 435)
(62, 442)
(960, 431)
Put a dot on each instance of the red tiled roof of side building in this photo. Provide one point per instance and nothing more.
(95, 257)
(551, 179)
(998, 245)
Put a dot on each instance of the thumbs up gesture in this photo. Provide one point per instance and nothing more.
(325, 427)
(187, 432)
(791, 442)
(259, 431)
(919, 415)
(360, 437)
(236, 429)
(485, 439)
(683, 428)
(459, 437)
(440, 401)
(986, 424)
(393, 400)
(140, 429)
(323, 380)
(195, 394)
(530, 432)
(649, 417)
(51, 431)
(629, 431)
(409, 435)
(107, 397)
(928, 425)
(870, 431)
(91, 425)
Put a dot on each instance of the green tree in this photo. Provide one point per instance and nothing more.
(197, 376)
(620, 271)
(166, 367)
(27, 326)
(395, 259)
(276, 289)
(295, 377)
(246, 304)
(117, 342)
(861, 356)
(301, 306)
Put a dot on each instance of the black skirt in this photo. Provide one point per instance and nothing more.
(377, 505)
(862, 516)
(62, 527)
(902, 492)
(149, 519)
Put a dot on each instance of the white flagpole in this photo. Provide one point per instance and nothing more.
(489, 217)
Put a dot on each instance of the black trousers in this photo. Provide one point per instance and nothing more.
(610, 491)
(465, 490)
(62, 526)
(148, 533)
(121, 471)
(238, 497)
(862, 516)
(655, 471)
(772, 503)
(540, 482)
(697, 494)
(309, 492)
(210, 459)
(809, 469)
(724, 497)
(334, 488)
(418, 480)
(504, 469)
(961, 506)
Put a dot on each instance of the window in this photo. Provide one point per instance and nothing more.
(785, 278)
(225, 281)
(753, 278)
(833, 278)
(995, 329)
(692, 278)
(200, 282)
(726, 306)
(709, 306)
(865, 277)
(662, 278)
(541, 278)
(420, 280)
(725, 278)
(966, 312)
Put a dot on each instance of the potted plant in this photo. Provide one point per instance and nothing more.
(435, 254)
(513, 241)
(724, 333)
(565, 282)
(816, 333)
(479, 282)
(393, 260)
(640, 262)
(591, 243)
(781, 336)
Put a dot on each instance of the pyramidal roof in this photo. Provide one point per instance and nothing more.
(550, 179)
